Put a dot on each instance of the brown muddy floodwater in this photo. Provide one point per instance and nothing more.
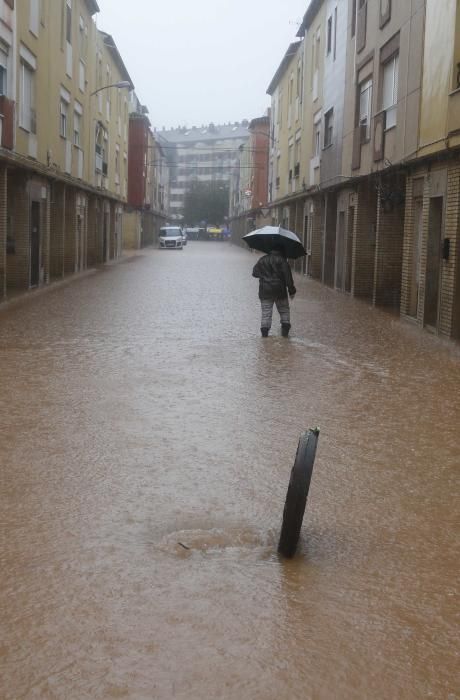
(140, 409)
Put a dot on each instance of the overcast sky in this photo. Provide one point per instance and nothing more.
(202, 61)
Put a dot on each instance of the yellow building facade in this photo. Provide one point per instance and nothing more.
(286, 91)
(64, 155)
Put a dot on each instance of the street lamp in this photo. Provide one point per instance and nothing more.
(120, 84)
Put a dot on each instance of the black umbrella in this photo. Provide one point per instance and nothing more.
(265, 238)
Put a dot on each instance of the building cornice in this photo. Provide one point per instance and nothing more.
(309, 16)
(292, 50)
(93, 7)
(15, 160)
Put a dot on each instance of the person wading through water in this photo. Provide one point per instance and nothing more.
(275, 281)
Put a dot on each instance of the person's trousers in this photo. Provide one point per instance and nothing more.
(282, 306)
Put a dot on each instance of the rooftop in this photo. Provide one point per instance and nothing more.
(309, 16)
(209, 132)
(292, 50)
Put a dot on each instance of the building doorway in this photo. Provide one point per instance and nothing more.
(78, 251)
(349, 249)
(34, 244)
(105, 236)
(329, 241)
(341, 253)
(433, 263)
(307, 244)
(414, 283)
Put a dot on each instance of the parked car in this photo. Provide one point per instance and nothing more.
(171, 237)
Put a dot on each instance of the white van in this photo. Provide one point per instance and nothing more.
(171, 237)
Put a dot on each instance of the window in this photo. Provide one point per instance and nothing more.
(385, 12)
(101, 150)
(3, 72)
(117, 165)
(361, 25)
(81, 76)
(365, 110)
(34, 17)
(76, 129)
(335, 33)
(82, 38)
(291, 161)
(108, 94)
(329, 35)
(317, 138)
(63, 108)
(27, 98)
(297, 157)
(300, 80)
(68, 21)
(390, 90)
(328, 128)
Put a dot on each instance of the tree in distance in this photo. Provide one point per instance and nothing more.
(206, 201)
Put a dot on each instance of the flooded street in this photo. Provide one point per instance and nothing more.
(140, 410)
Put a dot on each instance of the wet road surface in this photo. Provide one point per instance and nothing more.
(140, 409)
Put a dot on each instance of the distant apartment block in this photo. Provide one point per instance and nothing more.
(207, 154)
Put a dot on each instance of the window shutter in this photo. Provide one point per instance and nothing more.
(361, 28)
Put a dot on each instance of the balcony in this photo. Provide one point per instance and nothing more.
(7, 122)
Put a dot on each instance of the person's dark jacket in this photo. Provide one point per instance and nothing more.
(274, 275)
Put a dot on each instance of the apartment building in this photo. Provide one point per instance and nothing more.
(286, 91)
(64, 142)
(378, 209)
(147, 181)
(430, 294)
(249, 181)
(206, 154)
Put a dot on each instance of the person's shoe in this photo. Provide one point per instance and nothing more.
(285, 328)
(264, 332)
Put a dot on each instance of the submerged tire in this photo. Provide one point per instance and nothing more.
(297, 493)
